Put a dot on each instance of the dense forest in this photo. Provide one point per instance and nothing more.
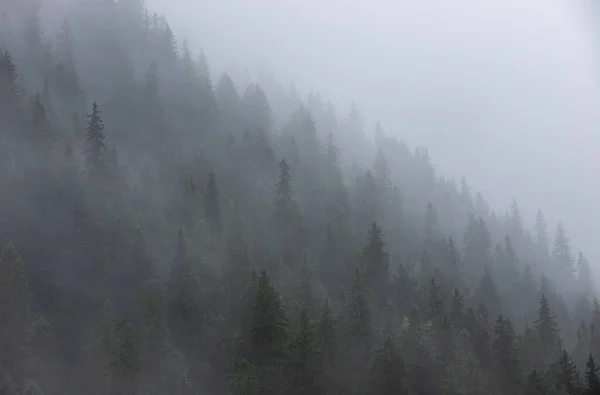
(165, 231)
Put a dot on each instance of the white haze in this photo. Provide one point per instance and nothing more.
(505, 92)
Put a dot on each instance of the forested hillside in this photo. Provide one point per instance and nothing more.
(167, 232)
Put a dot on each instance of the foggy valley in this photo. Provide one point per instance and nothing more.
(283, 197)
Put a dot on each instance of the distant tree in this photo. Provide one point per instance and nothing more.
(387, 371)
(376, 263)
(591, 377)
(95, 148)
(359, 312)
(561, 254)
(546, 327)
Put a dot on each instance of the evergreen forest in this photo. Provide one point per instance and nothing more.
(165, 231)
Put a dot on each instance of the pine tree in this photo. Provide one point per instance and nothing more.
(431, 220)
(457, 313)
(287, 214)
(10, 95)
(387, 371)
(567, 375)
(269, 331)
(305, 367)
(546, 327)
(454, 264)
(591, 377)
(244, 380)
(435, 303)
(376, 263)
(327, 335)
(487, 293)
(359, 312)
(95, 148)
(381, 173)
(561, 254)
(535, 384)
(506, 355)
(42, 135)
(183, 287)
(17, 314)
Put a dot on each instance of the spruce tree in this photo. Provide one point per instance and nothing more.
(95, 148)
(376, 263)
(327, 335)
(506, 355)
(567, 376)
(487, 293)
(561, 254)
(387, 370)
(546, 327)
(535, 384)
(269, 331)
(305, 366)
(592, 381)
(359, 312)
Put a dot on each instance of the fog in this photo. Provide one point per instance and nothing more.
(498, 90)
(271, 197)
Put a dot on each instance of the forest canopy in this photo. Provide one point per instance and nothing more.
(165, 231)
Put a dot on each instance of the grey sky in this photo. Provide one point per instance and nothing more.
(505, 92)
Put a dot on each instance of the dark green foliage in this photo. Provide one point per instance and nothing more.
(376, 264)
(359, 312)
(388, 376)
(305, 360)
(94, 212)
(546, 327)
(535, 385)
(95, 147)
(592, 381)
(269, 331)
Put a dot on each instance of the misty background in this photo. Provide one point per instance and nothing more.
(473, 81)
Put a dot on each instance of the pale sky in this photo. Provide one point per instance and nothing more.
(505, 92)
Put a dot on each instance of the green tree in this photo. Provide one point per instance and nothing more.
(269, 331)
(359, 312)
(591, 377)
(376, 263)
(305, 366)
(387, 370)
(506, 355)
(535, 384)
(546, 328)
(95, 148)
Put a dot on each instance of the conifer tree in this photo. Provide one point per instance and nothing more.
(269, 331)
(95, 148)
(535, 384)
(457, 313)
(506, 355)
(567, 375)
(591, 377)
(387, 371)
(359, 312)
(487, 293)
(561, 254)
(327, 335)
(305, 367)
(454, 264)
(376, 263)
(546, 327)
